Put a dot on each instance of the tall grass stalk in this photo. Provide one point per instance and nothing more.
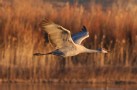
(113, 27)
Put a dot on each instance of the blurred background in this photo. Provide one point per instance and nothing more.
(112, 24)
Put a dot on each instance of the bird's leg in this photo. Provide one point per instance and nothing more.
(39, 54)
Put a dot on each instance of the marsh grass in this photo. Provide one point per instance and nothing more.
(113, 27)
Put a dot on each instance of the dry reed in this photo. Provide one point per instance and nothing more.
(113, 27)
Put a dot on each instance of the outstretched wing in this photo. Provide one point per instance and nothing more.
(57, 35)
(80, 36)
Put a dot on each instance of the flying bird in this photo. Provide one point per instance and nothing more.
(66, 44)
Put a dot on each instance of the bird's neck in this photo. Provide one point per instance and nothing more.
(83, 49)
(92, 51)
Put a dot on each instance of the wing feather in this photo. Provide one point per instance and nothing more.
(80, 36)
(58, 36)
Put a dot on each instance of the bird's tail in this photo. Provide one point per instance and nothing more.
(39, 54)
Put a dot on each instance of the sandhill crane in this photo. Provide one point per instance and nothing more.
(65, 44)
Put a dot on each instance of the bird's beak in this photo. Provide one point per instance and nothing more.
(105, 51)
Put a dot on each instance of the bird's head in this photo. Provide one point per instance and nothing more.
(102, 50)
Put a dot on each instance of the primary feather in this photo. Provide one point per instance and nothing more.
(80, 36)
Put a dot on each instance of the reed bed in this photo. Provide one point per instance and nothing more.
(113, 27)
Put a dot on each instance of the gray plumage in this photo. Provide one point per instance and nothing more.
(65, 44)
(80, 36)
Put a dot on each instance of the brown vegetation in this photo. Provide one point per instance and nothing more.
(113, 27)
